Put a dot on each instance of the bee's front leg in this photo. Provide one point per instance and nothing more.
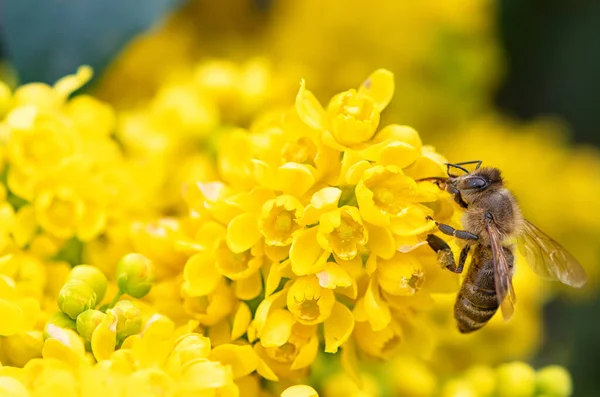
(445, 256)
(450, 231)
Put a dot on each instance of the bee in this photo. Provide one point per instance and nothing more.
(492, 221)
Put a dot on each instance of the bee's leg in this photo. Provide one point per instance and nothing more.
(450, 231)
(445, 256)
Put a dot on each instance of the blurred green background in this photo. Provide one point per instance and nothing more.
(552, 56)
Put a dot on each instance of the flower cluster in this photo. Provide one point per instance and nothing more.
(249, 255)
(320, 219)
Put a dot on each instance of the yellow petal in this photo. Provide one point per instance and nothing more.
(380, 87)
(242, 359)
(64, 345)
(350, 362)
(413, 221)
(306, 255)
(104, 337)
(333, 275)
(278, 328)
(356, 170)
(299, 391)
(294, 179)
(12, 318)
(203, 374)
(243, 232)
(338, 327)
(378, 312)
(402, 133)
(241, 320)
(71, 83)
(398, 153)
(381, 241)
(264, 174)
(11, 387)
(427, 166)
(31, 311)
(248, 288)
(273, 279)
(263, 369)
(25, 225)
(200, 274)
(322, 201)
(309, 109)
(275, 301)
(307, 355)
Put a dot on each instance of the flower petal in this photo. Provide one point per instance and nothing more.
(306, 255)
(294, 179)
(248, 288)
(307, 354)
(380, 87)
(299, 391)
(243, 232)
(241, 320)
(322, 201)
(381, 241)
(338, 327)
(333, 275)
(278, 328)
(309, 108)
(200, 274)
(378, 312)
(242, 359)
(104, 337)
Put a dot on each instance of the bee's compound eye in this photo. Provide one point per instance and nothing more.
(476, 183)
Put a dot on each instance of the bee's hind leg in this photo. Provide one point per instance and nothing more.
(445, 256)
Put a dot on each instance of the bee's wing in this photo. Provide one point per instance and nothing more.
(549, 259)
(502, 271)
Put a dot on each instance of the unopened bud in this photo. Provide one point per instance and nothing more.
(75, 297)
(61, 320)
(515, 379)
(93, 277)
(134, 275)
(554, 381)
(87, 323)
(129, 319)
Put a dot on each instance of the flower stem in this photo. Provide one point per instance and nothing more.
(115, 300)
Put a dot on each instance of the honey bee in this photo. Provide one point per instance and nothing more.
(492, 220)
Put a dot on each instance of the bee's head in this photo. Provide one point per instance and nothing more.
(472, 184)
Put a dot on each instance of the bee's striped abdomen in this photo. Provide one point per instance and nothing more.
(477, 302)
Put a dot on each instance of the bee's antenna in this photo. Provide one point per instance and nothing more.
(459, 166)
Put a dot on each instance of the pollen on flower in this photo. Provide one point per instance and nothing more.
(343, 232)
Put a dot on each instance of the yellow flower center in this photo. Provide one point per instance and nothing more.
(302, 151)
(285, 353)
(392, 192)
(357, 106)
(278, 222)
(309, 310)
(347, 237)
(232, 265)
(283, 222)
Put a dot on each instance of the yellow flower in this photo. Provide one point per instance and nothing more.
(309, 302)
(342, 232)
(352, 117)
(212, 308)
(384, 193)
(19, 314)
(279, 220)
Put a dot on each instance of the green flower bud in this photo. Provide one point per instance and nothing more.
(93, 277)
(134, 275)
(515, 379)
(61, 320)
(75, 297)
(129, 319)
(87, 323)
(554, 381)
